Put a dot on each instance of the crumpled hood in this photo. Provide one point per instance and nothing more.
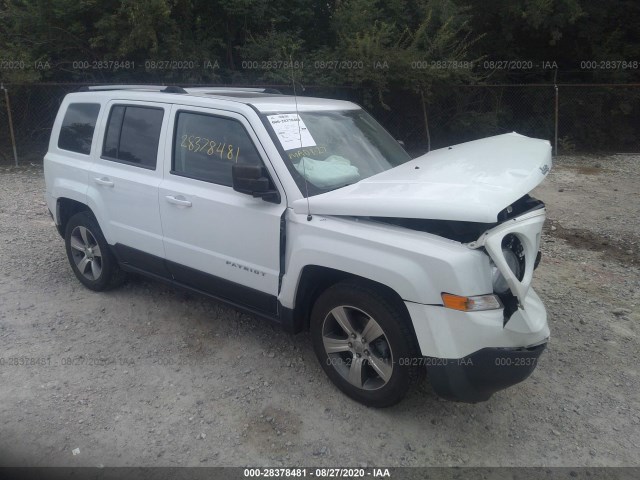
(470, 182)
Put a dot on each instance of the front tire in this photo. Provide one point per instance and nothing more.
(89, 254)
(364, 343)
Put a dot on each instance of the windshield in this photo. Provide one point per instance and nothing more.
(332, 149)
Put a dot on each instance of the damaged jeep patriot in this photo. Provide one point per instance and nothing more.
(307, 212)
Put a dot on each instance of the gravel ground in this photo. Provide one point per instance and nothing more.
(150, 375)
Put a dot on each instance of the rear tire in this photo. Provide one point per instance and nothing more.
(89, 254)
(364, 342)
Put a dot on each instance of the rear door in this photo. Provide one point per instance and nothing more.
(124, 180)
(216, 239)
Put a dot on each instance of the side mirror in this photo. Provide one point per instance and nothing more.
(254, 180)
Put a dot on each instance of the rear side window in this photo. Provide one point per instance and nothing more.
(77, 128)
(132, 135)
(206, 146)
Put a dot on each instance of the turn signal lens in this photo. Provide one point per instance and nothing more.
(471, 304)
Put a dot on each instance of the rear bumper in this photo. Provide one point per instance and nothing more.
(477, 376)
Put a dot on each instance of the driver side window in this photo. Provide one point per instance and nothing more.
(206, 146)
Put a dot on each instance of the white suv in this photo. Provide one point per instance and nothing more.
(307, 212)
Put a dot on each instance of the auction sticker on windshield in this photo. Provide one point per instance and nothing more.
(291, 131)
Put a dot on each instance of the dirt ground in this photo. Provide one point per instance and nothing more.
(149, 375)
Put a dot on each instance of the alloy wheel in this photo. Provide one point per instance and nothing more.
(357, 347)
(86, 253)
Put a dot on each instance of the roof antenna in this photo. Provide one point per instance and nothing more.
(304, 165)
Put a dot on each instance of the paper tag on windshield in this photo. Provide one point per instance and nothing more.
(291, 131)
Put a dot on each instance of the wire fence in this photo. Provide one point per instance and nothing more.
(575, 118)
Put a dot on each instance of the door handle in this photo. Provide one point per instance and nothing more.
(178, 200)
(103, 181)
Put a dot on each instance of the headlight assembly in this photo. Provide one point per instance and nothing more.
(514, 256)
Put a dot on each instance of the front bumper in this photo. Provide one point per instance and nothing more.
(471, 355)
(446, 333)
(476, 377)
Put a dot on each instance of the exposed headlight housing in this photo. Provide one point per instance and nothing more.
(514, 255)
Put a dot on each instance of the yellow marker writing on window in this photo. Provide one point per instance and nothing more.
(209, 147)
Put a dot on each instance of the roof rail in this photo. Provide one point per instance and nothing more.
(148, 88)
(223, 90)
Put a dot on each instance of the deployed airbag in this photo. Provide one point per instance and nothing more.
(331, 172)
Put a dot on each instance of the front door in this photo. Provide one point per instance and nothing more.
(216, 239)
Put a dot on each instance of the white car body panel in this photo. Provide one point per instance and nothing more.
(223, 233)
(469, 182)
(127, 206)
(419, 265)
(70, 178)
(66, 173)
(446, 333)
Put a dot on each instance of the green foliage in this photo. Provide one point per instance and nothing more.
(388, 37)
(395, 54)
(385, 45)
(383, 37)
(514, 27)
(141, 27)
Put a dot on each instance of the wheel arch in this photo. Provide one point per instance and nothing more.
(315, 279)
(67, 208)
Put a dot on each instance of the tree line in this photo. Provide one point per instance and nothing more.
(375, 44)
(382, 49)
